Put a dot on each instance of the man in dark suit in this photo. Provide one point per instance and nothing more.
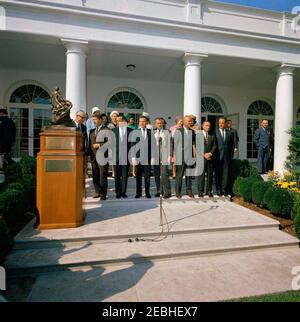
(235, 137)
(262, 139)
(210, 147)
(80, 118)
(161, 175)
(120, 156)
(184, 142)
(100, 172)
(7, 136)
(224, 140)
(143, 163)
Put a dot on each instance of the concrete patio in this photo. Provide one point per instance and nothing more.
(210, 250)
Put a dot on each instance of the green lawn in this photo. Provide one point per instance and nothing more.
(292, 296)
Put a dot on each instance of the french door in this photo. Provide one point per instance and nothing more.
(29, 119)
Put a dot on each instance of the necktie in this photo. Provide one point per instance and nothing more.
(223, 133)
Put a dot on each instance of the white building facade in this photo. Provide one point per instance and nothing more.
(166, 57)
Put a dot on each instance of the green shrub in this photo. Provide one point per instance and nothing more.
(20, 170)
(6, 240)
(246, 188)
(259, 189)
(297, 224)
(236, 186)
(28, 166)
(13, 172)
(250, 171)
(296, 207)
(12, 204)
(279, 201)
(29, 191)
(15, 186)
(293, 160)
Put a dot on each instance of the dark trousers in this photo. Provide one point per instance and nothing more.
(140, 170)
(100, 174)
(161, 175)
(180, 169)
(121, 178)
(263, 155)
(221, 171)
(208, 168)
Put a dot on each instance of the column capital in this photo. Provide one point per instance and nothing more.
(286, 69)
(193, 59)
(75, 46)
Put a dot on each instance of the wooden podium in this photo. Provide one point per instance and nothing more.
(60, 178)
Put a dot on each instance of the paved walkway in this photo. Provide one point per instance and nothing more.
(206, 250)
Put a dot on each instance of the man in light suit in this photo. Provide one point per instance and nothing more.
(100, 172)
(161, 175)
(262, 139)
(223, 156)
(184, 145)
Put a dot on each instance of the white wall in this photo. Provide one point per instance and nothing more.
(10, 77)
(162, 98)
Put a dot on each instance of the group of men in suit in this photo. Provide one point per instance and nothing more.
(154, 148)
(219, 149)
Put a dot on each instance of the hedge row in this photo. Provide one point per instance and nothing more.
(17, 197)
(296, 214)
(240, 168)
(279, 201)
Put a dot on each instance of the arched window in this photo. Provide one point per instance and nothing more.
(211, 111)
(210, 105)
(260, 108)
(30, 108)
(126, 101)
(30, 94)
(257, 111)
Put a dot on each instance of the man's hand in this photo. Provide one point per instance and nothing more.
(235, 150)
(207, 156)
(96, 146)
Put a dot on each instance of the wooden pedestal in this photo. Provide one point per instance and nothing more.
(60, 178)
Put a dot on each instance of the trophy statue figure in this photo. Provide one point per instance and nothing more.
(60, 109)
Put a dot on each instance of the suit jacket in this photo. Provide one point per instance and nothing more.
(224, 148)
(262, 138)
(235, 138)
(93, 140)
(116, 151)
(148, 145)
(7, 134)
(179, 143)
(210, 145)
(82, 128)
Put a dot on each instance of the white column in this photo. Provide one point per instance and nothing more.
(76, 74)
(192, 84)
(283, 115)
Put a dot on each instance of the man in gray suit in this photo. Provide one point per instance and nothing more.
(262, 139)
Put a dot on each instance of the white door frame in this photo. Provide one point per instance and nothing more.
(31, 107)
